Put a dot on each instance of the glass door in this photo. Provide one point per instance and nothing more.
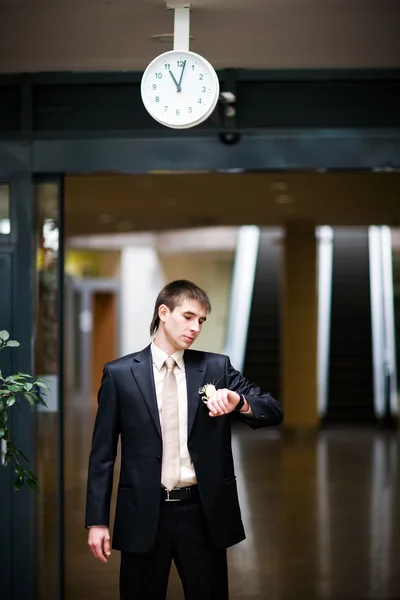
(48, 365)
(91, 313)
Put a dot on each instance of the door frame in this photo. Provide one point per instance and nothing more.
(87, 288)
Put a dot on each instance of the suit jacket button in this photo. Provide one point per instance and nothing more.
(158, 456)
(261, 416)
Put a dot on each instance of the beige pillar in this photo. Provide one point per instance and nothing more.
(299, 322)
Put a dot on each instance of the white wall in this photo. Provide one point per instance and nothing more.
(213, 273)
(141, 281)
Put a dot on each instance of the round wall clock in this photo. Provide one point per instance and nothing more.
(180, 89)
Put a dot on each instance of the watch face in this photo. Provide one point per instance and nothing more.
(180, 89)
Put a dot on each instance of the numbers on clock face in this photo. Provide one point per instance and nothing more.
(179, 88)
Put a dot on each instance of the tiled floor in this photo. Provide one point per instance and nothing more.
(322, 517)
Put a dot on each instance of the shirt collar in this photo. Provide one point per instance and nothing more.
(159, 357)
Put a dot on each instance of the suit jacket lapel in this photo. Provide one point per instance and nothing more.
(142, 370)
(195, 375)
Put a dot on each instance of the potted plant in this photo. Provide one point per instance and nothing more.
(13, 390)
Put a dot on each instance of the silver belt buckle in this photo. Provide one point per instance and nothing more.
(168, 499)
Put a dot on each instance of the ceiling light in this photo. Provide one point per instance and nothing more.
(283, 199)
(105, 218)
(124, 225)
(278, 186)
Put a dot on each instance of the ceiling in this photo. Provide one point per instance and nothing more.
(97, 204)
(101, 35)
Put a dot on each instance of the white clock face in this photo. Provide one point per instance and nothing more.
(180, 89)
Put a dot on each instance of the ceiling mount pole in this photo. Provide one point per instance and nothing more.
(181, 25)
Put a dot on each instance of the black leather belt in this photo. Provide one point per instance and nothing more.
(177, 494)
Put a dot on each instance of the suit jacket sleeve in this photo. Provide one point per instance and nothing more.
(103, 453)
(266, 410)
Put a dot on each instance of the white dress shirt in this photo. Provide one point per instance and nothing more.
(188, 475)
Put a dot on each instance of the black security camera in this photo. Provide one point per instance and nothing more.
(229, 138)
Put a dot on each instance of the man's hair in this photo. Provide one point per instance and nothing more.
(173, 294)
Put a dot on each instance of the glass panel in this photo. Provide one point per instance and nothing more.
(46, 366)
(5, 221)
(396, 299)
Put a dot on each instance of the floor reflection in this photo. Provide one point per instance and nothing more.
(322, 516)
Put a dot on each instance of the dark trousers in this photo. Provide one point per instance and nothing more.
(183, 537)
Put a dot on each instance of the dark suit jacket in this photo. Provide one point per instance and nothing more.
(128, 408)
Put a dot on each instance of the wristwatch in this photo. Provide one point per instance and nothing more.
(240, 404)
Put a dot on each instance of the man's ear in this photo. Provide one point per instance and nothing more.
(163, 311)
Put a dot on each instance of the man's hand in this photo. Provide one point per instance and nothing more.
(99, 542)
(223, 402)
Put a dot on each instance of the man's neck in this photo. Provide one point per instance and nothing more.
(164, 345)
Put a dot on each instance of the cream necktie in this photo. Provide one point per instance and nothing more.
(171, 464)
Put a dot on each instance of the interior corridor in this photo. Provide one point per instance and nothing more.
(321, 514)
(321, 511)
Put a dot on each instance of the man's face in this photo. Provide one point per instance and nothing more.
(183, 325)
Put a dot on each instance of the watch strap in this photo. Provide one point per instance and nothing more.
(240, 404)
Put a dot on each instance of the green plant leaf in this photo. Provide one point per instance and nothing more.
(23, 455)
(16, 379)
(12, 344)
(18, 483)
(16, 387)
(41, 385)
(28, 396)
(33, 483)
(12, 388)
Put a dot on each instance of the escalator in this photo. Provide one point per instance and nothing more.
(350, 381)
(350, 373)
(262, 357)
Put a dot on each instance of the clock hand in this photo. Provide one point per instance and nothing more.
(178, 87)
(180, 80)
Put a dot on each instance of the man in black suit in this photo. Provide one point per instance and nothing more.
(177, 494)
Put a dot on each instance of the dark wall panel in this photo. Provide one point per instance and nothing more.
(17, 509)
(10, 108)
(319, 104)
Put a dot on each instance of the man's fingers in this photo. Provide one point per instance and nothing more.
(211, 405)
(98, 552)
(99, 545)
(213, 409)
(218, 404)
(107, 547)
(223, 401)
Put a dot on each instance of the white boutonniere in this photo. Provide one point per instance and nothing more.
(206, 391)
